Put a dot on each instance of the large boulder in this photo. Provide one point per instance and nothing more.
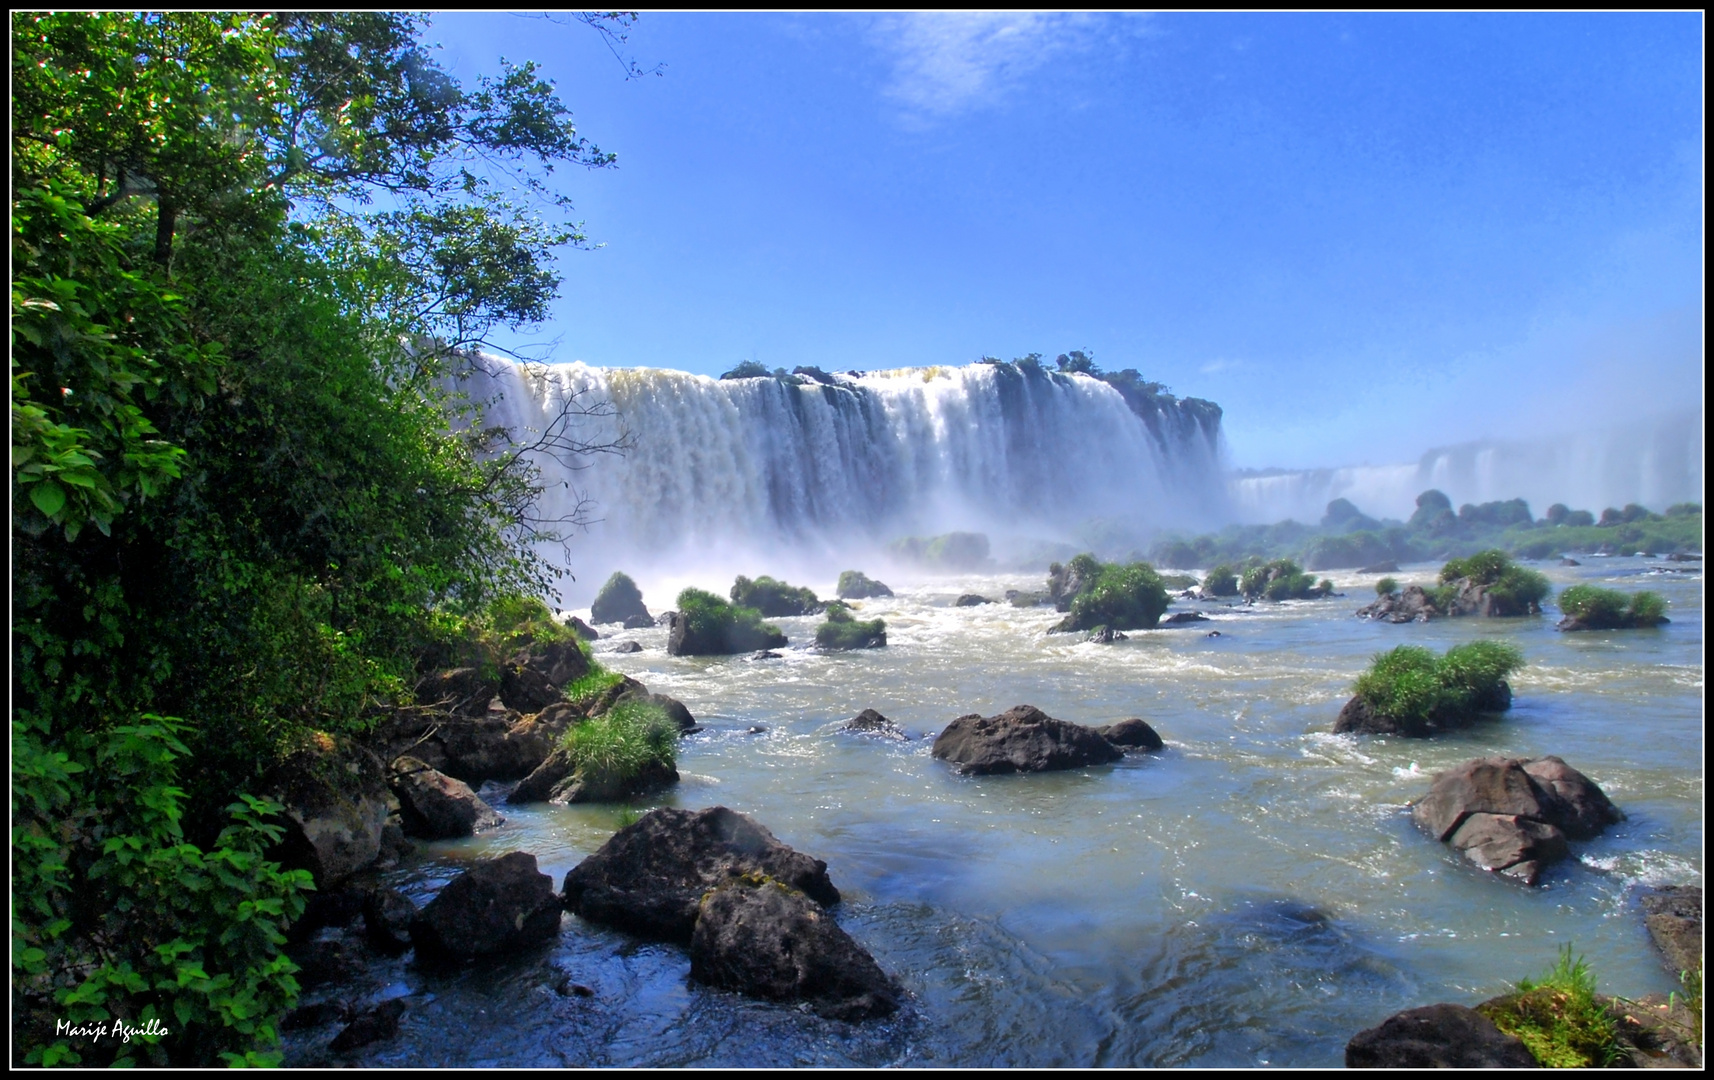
(1359, 718)
(435, 806)
(1021, 739)
(460, 691)
(1411, 605)
(769, 940)
(855, 585)
(1513, 816)
(336, 804)
(1673, 915)
(729, 638)
(1133, 733)
(558, 780)
(1437, 1037)
(649, 878)
(618, 600)
(495, 906)
(495, 746)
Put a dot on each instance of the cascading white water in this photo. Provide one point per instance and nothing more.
(722, 467)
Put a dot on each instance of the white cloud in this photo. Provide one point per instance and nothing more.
(949, 62)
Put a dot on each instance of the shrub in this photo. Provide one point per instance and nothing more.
(1559, 1018)
(1387, 586)
(1125, 597)
(842, 631)
(1684, 509)
(1647, 609)
(1281, 579)
(618, 598)
(717, 627)
(1221, 581)
(1579, 519)
(1515, 589)
(622, 742)
(774, 598)
(1412, 686)
(1609, 609)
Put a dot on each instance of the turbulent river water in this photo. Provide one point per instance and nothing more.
(1252, 896)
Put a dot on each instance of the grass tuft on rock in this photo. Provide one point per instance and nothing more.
(1515, 588)
(1411, 685)
(623, 741)
(773, 598)
(1559, 1018)
(719, 627)
(1608, 609)
(844, 631)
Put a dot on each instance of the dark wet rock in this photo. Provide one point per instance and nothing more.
(566, 986)
(1569, 561)
(649, 878)
(1026, 599)
(387, 917)
(557, 780)
(1410, 605)
(1133, 733)
(1184, 618)
(1513, 816)
(1104, 635)
(618, 600)
(765, 654)
(1387, 567)
(854, 585)
(335, 908)
(628, 647)
(1065, 582)
(394, 845)
(870, 722)
(1021, 739)
(435, 806)
(325, 960)
(971, 600)
(769, 940)
(1213, 633)
(582, 629)
(495, 906)
(527, 689)
(1483, 600)
(497, 746)
(639, 622)
(1673, 915)
(1437, 1037)
(1359, 718)
(756, 729)
(684, 640)
(460, 691)
(1684, 556)
(313, 1016)
(372, 1026)
(335, 797)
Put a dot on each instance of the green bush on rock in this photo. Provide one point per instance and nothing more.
(1589, 607)
(1410, 691)
(1119, 596)
(774, 599)
(613, 749)
(843, 631)
(709, 626)
(1221, 581)
(1489, 583)
(856, 585)
(618, 600)
(1559, 1018)
(1282, 579)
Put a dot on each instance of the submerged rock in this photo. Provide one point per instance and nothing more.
(1673, 915)
(870, 722)
(639, 622)
(628, 647)
(1411, 605)
(1133, 733)
(760, 937)
(1021, 739)
(1437, 1037)
(1184, 618)
(495, 906)
(1513, 816)
(435, 806)
(650, 877)
(971, 600)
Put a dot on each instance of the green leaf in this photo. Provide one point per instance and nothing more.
(49, 497)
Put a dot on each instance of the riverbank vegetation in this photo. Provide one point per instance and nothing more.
(248, 499)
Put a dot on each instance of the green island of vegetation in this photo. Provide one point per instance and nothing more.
(709, 626)
(1410, 691)
(842, 630)
(1119, 596)
(1589, 607)
(774, 599)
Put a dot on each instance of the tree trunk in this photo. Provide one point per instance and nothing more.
(166, 218)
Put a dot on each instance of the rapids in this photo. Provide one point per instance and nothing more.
(1254, 895)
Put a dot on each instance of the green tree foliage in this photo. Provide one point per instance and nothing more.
(1221, 581)
(1411, 685)
(1387, 586)
(240, 494)
(774, 599)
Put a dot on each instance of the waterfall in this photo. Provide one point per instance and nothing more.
(832, 465)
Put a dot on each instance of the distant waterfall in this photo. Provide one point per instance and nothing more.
(838, 463)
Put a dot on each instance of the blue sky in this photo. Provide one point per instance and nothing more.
(1362, 235)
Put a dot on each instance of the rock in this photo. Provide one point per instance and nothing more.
(639, 622)
(1021, 739)
(756, 729)
(854, 585)
(373, 1025)
(460, 691)
(1026, 599)
(1513, 816)
(1437, 1037)
(870, 722)
(618, 600)
(971, 600)
(335, 799)
(325, 960)
(768, 940)
(495, 906)
(1673, 915)
(313, 1016)
(1569, 561)
(582, 629)
(1105, 635)
(1184, 618)
(1474, 599)
(1387, 567)
(1131, 733)
(1411, 605)
(394, 844)
(1683, 556)
(628, 647)
(527, 687)
(497, 746)
(764, 654)
(434, 806)
(650, 876)
(387, 917)
(1358, 718)
(336, 908)
(683, 640)
(556, 780)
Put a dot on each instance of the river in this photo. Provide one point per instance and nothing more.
(1252, 896)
